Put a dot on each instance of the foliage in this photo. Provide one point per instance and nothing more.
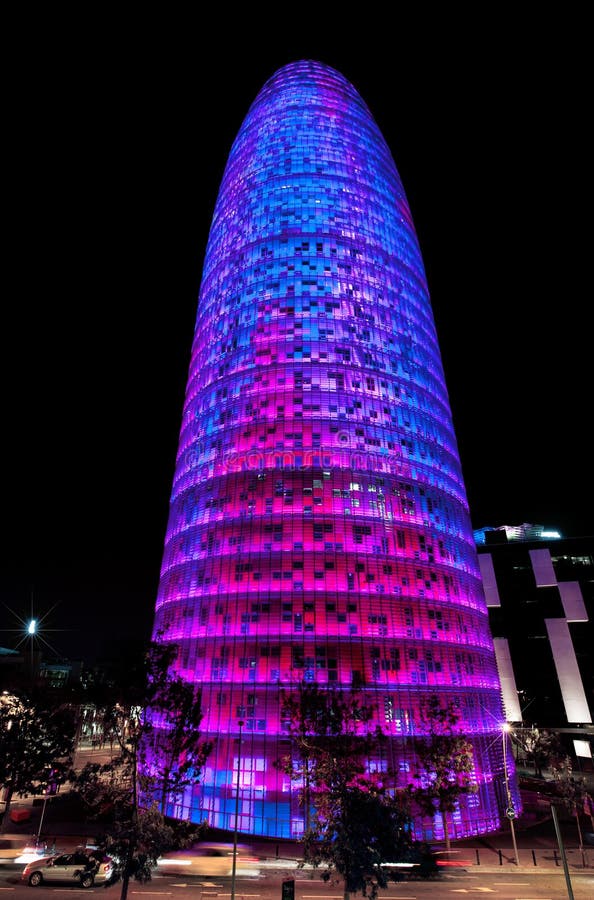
(171, 728)
(571, 789)
(356, 827)
(155, 729)
(361, 832)
(323, 726)
(446, 762)
(541, 747)
(150, 836)
(37, 742)
(152, 718)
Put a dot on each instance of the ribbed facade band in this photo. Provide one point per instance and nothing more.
(319, 528)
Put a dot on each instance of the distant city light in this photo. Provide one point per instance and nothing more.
(32, 626)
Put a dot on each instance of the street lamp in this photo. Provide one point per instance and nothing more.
(237, 787)
(509, 811)
(32, 634)
(38, 840)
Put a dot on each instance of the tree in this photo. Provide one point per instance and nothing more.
(541, 747)
(37, 742)
(355, 826)
(362, 832)
(445, 758)
(154, 724)
(314, 720)
(170, 740)
(572, 790)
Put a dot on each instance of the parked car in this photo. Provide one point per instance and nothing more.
(69, 868)
(209, 859)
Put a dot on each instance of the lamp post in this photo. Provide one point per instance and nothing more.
(509, 811)
(32, 633)
(38, 839)
(237, 787)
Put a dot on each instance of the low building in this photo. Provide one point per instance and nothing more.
(539, 588)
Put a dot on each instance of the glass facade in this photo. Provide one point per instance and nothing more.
(319, 528)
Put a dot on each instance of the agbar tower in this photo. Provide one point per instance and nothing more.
(319, 528)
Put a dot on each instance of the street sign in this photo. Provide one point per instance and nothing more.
(510, 812)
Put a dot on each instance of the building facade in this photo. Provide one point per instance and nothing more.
(539, 588)
(319, 529)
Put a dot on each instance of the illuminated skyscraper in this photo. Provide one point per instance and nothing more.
(319, 528)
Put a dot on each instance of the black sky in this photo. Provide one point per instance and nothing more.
(117, 141)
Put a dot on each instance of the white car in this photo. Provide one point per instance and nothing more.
(68, 868)
(209, 859)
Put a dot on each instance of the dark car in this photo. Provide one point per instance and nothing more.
(78, 868)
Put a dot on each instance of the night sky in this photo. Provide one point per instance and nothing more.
(117, 144)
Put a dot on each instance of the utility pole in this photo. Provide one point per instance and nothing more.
(237, 788)
(510, 811)
(562, 851)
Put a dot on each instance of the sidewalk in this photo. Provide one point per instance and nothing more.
(531, 860)
(537, 847)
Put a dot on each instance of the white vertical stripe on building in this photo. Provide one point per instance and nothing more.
(568, 673)
(511, 702)
(542, 566)
(573, 602)
(489, 581)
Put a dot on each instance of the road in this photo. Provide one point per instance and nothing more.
(457, 886)
(488, 869)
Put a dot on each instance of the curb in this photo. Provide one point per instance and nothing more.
(509, 868)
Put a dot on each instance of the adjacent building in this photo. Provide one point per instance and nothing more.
(539, 588)
(319, 529)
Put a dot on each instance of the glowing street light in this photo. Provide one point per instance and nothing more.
(510, 811)
(32, 631)
(32, 634)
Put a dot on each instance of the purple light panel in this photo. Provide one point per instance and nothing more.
(319, 527)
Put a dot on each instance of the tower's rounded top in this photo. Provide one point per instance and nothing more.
(309, 74)
(309, 70)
